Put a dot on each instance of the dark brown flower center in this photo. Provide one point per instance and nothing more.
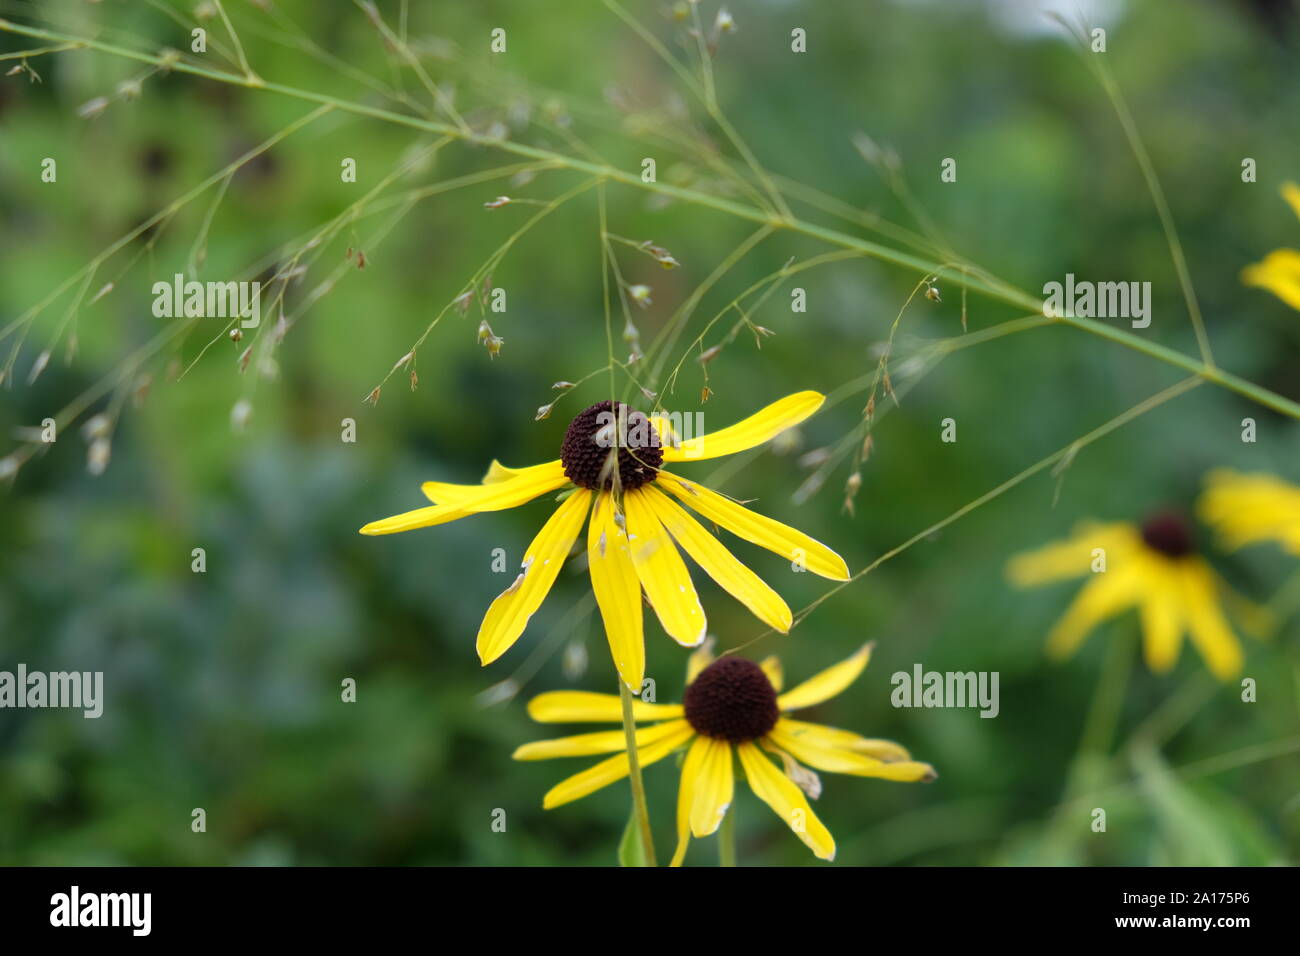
(1169, 533)
(605, 434)
(732, 700)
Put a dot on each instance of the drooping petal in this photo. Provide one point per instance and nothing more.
(1279, 273)
(719, 563)
(662, 573)
(713, 789)
(781, 794)
(508, 614)
(1075, 556)
(618, 592)
(1205, 621)
(793, 545)
(446, 493)
(807, 749)
(828, 683)
(665, 739)
(771, 666)
(494, 497)
(584, 745)
(1161, 613)
(833, 737)
(686, 795)
(762, 426)
(1108, 593)
(586, 707)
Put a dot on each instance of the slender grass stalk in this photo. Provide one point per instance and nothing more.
(993, 289)
(639, 806)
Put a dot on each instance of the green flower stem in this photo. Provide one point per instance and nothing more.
(986, 286)
(727, 839)
(639, 806)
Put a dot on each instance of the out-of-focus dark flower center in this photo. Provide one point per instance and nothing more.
(603, 433)
(732, 700)
(1169, 533)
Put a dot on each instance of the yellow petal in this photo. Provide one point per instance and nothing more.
(806, 748)
(1073, 557)
(686, 795)
(772, 668)
(1291, 193)
(446, 493)
(1279, 273)
(781, 794)
(719, 563)
(1162, 618)
(828, 683)
(1246, 509)
(1108, 593)
(713, 789)
(662, 573)
(1205, 621)
(584, 745)
(583, 707)
(618, 592)
(834, 738)
(663, 740)
(699, 659)
(758, 428)
(793, 545)
(508, 615)
(494, 497)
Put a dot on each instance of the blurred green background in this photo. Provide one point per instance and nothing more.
(223, 688)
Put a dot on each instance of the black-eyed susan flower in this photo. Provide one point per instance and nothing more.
(1279, 272)
(1248, 509)
(732, 709)
(613, 460)
(1155, 568)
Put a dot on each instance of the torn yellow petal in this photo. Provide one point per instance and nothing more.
(750, 432)
(699, 659)
(508, 614)
(806, 748)
(719, 563)
(789, 802)
(618, 592)
(446, 493)
(793, 545)
(494, 497)
(662, 573)
(1279, 273)
(663, 740)
(584, 706)
(584, 745)
(828, 683)
(1206, 624)
(1073, 557)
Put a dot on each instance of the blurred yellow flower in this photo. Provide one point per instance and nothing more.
(1279, 273)
(1155, 568)
(732, 708)
(613, 459)
(1247, 509)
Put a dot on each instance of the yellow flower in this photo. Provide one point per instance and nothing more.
(732, 706)
(1246, 509)
(1279, 273)
(1154, 568)
(613, 460)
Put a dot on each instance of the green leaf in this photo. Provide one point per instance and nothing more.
(630, 850)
